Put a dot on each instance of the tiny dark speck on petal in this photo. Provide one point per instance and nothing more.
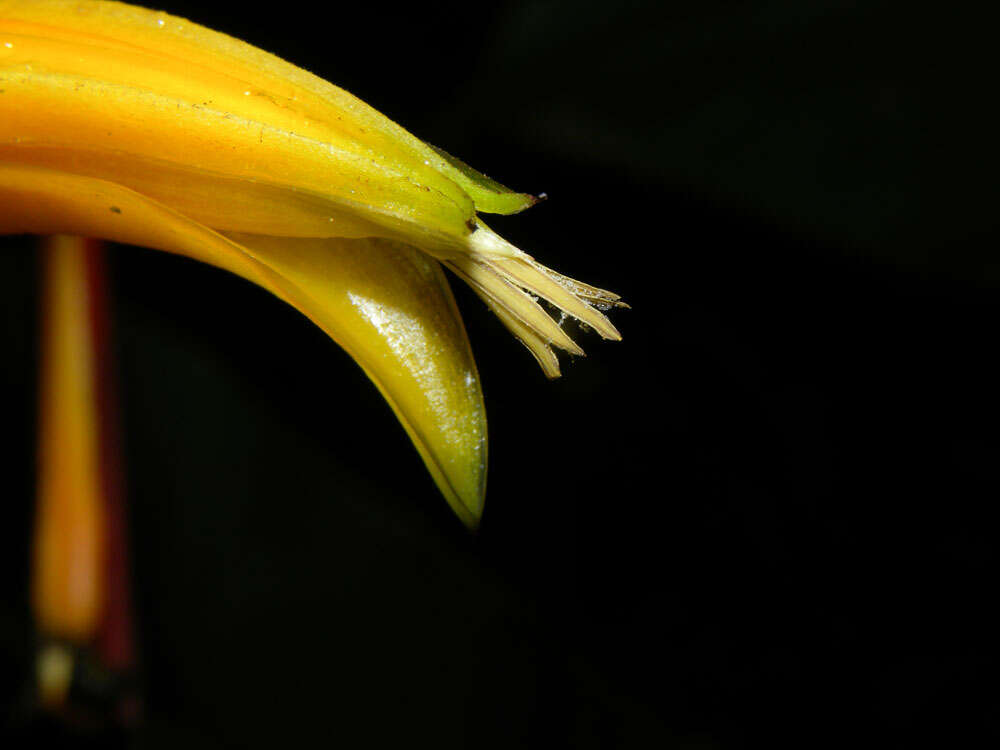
(472, 225)
(115, 210)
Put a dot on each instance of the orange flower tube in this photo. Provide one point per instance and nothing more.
(80, 587)
(68, 580)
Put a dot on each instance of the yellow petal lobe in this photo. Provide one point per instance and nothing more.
(162, 49)
(387, 304)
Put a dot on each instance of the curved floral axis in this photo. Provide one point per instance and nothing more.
(136, 126)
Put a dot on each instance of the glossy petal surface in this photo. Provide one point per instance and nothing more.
(387, 304)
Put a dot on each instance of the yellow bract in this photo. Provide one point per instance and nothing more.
(133, 125)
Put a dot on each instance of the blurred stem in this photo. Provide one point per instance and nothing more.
(80, 588)
(67, 588)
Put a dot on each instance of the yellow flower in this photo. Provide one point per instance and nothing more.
(136, 126)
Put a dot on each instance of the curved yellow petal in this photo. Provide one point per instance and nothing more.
(154, 50)
(388, 305)
(168, 148)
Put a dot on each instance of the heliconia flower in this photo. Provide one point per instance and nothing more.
(136, 126)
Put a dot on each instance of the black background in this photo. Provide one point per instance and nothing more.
(763, 519)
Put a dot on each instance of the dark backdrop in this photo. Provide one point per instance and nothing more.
(763, 519)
